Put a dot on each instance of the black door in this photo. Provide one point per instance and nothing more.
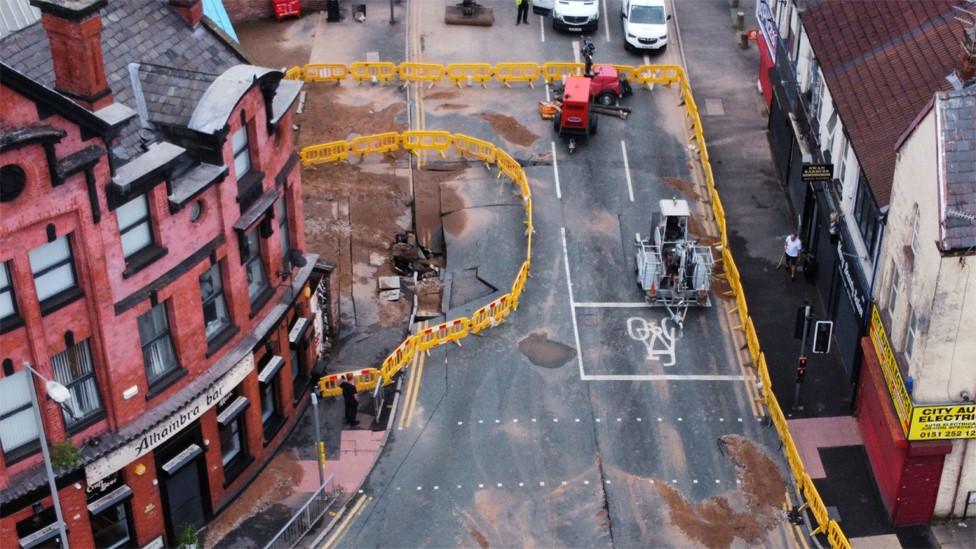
(184, 498)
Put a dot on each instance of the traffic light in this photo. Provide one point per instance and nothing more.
(821, 336)
(801, 369)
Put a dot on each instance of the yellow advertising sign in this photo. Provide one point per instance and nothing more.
(889, 367)
(943, 421)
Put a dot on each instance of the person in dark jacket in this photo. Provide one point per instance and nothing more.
(522, 16)
(350, 400)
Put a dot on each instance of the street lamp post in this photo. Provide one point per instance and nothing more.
(319, 451)
(60, 394)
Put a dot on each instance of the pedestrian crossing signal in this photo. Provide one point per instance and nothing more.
(822, 332)
(801, 369)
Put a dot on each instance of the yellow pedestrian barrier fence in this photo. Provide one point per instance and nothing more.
(506, 73)
(469, 73)
(497, 310)
(378, 72)
(364, 380)
(379, 143)
(325, 72)
(421, 72)
(416, 141)
(555, 72)
(324, 153)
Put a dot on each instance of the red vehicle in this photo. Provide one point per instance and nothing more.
(286, 8)
(607, 86)
(575, 120)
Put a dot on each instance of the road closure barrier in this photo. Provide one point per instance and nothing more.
(465, 146)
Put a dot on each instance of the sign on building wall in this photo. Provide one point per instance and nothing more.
(900, 398)
(173, 424)
(767, 25)
(943, 421)
(817, 173)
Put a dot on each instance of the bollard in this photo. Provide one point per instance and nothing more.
(735, 4)
(744, 40)
(740, 20)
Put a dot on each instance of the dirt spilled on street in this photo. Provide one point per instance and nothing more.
(510, 129)
(542, 351)
(717, 521)
(680, 185)
(274, 484)
(333, 113)
(450, 107)
(443, 94)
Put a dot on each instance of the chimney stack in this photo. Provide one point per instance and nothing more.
(190, 10)
(74, 30)
(967, 54)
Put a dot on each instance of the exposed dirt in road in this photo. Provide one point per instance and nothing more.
(478, 537)
(274, 484)
(510, 129)
(686, 187)
(275, 44)
(443, 94)
(429, 296)
(332, 113)
(450, 107)
(717, 521)
(542, 351)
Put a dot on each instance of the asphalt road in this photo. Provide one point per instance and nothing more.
(559, 427)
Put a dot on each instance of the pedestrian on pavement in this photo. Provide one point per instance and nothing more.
(523, 12)
(350, 400)
(791, 253)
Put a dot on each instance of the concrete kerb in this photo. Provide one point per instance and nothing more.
(645, 74)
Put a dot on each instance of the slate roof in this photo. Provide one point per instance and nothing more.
(882, 60)
(133, 31)
(956, 118)
(169, 95)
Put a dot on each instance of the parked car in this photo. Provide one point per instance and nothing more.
(542, 7)
(576, 15)
(645, 24)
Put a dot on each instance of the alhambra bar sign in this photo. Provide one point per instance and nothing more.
(164, 430)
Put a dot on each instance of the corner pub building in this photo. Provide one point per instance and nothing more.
(150, 261)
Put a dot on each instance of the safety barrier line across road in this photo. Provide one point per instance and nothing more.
(470, 147)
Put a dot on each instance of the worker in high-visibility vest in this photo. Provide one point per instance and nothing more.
(523, 12)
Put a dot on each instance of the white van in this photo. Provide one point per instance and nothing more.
(576, 15)
(645, 24)
(542, 7)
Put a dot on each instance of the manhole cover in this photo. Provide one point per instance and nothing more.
(714, 107)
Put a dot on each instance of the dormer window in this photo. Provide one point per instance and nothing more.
(242, 153)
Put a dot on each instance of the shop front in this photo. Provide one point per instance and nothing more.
(908, 472)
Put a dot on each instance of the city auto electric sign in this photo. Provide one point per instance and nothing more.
(943, 421)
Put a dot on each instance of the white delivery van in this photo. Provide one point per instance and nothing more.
(542, 7)
(576, 15)
(645, 24)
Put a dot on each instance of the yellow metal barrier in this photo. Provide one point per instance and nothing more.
(506, 73)
(836, 537)
(378, 72)
(364, 379)
(469, 73)
(324, 153)
(626, 71)
(325, 72)
(554, 72)
(379, 143)
(416, 141)
(472, 147)
(519, 284)
(421, 72)
(453, 331)
(295, 73)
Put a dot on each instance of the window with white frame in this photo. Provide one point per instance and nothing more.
(8, 304)
(73, 369)
(18, 426)
(53, 269)
(281, 212)
(911, 333)
(158, 355)
(242, 153)
(915, 243)
(257, 279)
(893, 291)
(215, 316)
(866, 214)
(134, 225)
(842, 156)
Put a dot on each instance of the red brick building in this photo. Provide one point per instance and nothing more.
(150, 260)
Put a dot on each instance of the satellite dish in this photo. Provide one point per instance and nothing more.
(58, 393)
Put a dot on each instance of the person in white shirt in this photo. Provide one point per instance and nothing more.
(791, 253)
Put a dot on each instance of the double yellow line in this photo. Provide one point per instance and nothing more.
(413, 385)
(343, 526)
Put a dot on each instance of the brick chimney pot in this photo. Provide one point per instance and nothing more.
(190, 10)
(74, 30)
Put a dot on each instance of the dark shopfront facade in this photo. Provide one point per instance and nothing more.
(838, 276)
